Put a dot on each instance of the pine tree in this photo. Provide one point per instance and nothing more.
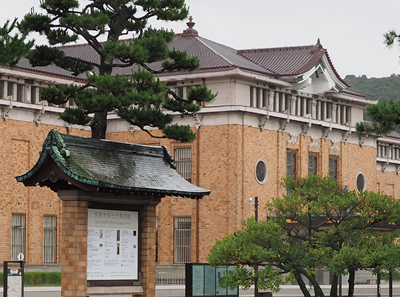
(385, 116)
(141, 99)
(12, 48)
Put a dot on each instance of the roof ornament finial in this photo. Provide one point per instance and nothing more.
(190, 30)
(319, 42)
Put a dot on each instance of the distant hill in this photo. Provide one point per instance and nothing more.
(375, 88)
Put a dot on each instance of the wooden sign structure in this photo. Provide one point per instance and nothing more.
(109, 192)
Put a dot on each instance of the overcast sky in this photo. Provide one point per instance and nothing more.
(351, 30)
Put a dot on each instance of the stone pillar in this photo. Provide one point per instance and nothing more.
(74, 249)
(148, 250)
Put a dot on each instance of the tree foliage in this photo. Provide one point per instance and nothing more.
(382, 89)
(384, 117)
(140, 98)
(317, 225)
(13, 46)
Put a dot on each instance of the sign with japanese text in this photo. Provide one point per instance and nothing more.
(112, 245)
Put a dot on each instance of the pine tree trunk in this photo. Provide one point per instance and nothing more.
(99, 125)
(301, 284)
(352, 275)
(334, 286)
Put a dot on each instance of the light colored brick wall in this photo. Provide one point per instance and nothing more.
(226, 158)
(223, 160)
(74, 249)
(20, 145)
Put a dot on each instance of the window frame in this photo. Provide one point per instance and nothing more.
(182, 240)
(293, 155)
(312, 168)
(18, 230)
(183, 162)
(336, 169)
(50, 247)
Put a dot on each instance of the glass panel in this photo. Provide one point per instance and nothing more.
(333, 167)
(182, 239)
(312, 164)
(183, 162)
(17, 235)
(49, 239)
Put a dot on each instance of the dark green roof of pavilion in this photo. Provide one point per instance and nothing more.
(71, 162)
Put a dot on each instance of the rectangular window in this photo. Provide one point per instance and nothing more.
(183, 162)
(2, 89)
(49, 239)
(10, 88)
(17, 235)
(312, 164)
(20, 92)
(291, 163)
(182, 239)
(33, 94)
(333, 167)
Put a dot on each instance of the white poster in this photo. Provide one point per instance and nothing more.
(112, 245)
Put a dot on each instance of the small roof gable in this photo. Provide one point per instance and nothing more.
(290, 61)
(71, 162)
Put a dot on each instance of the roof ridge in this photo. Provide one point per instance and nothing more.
(278, 49)
(214, 51)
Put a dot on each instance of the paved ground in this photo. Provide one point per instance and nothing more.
(179, 291)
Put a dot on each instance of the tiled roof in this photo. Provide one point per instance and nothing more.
(274, 62)
(108, 166)
(286, 61)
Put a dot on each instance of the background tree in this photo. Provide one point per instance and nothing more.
(317, 225)
(141, 99)
(13, 46)
(385, 116)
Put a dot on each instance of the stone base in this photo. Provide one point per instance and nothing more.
(115, 291)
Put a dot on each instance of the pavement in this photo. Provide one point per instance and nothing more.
(179, 291)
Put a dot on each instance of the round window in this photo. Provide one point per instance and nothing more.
(261, 171)
(360, 182)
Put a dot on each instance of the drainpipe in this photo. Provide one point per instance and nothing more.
(203, 83)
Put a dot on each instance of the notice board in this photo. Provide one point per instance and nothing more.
(113, 252)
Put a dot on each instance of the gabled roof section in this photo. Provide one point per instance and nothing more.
(71, 162)
(292, 61)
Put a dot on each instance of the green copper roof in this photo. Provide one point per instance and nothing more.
(72, 162)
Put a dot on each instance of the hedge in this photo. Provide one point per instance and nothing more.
(39, 278)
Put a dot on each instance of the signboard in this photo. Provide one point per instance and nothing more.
(13, 279)
(112, 245)
(202, 280)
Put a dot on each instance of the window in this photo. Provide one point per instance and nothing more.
(360, 182)
(182, 239)
(312, 164)
(10, 88)
(183, 162)
(291, 163)
(20, 92)
(17, 235)
(49, 239)
(33, 94)
(261, 172)
(333, 167)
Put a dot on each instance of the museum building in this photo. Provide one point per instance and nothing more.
(279, 111)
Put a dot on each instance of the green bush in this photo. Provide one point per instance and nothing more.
(39, 278)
